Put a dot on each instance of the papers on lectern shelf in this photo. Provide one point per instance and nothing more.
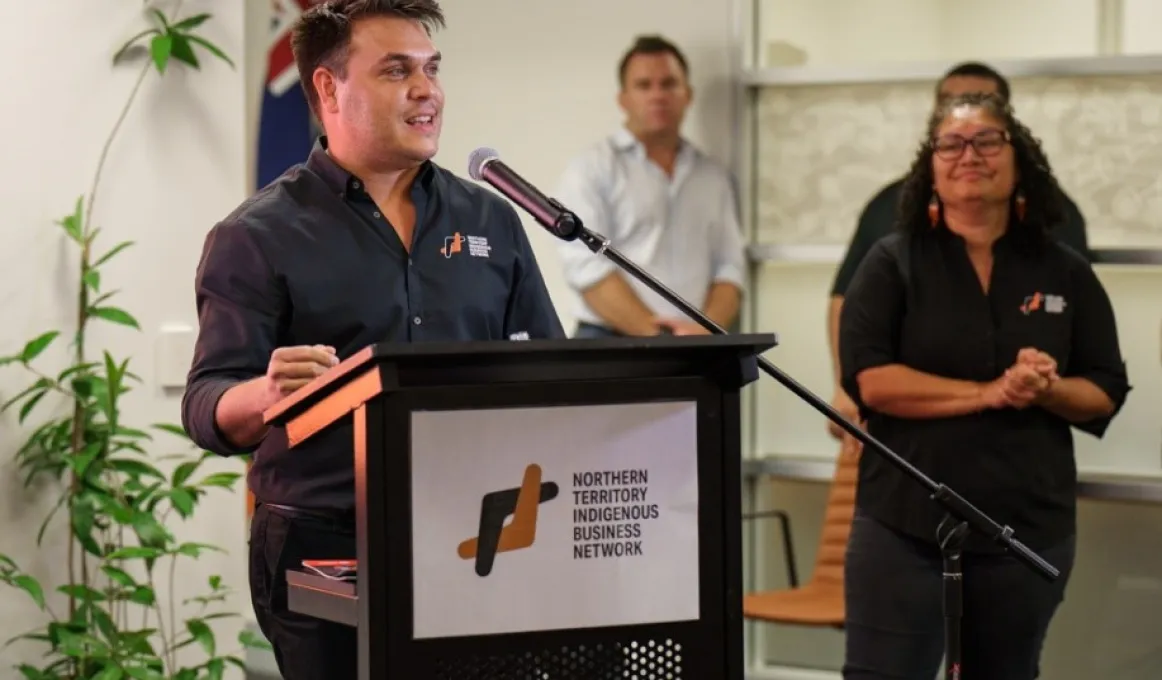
(336, 570)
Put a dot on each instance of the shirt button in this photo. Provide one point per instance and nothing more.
(355, 184)
(376, 213)
(416, 321)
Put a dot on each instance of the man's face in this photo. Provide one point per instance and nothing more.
(957, 85)
(655, 94)
(389, 108)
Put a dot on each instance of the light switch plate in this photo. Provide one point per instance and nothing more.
(173, 354)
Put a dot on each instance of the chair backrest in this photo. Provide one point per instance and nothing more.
(837, 520)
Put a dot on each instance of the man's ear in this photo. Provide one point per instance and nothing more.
(325, 86)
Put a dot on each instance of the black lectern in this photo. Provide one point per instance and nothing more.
(540, 509)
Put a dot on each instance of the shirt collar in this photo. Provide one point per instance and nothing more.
(624, 141)
(344, 183)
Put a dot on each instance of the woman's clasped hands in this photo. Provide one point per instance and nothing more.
(1025, 383)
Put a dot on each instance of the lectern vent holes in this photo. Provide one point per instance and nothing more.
(639, 660)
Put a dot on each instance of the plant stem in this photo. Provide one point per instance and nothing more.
(109, 144)
(78, 427)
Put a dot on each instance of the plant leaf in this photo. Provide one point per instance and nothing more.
(176, 430)
(30, 586)
(182, 501)
(92, 279)
(195, 549)
(160, 48)
(119, 576)
(211, 48)
(116, 315)
(223, 479)
(111, 254)
(29, 405)
(110, 673)
(183, 472)
(134, 552)
(34, 347)
(39, 385)
(247, 638)
(72, 223)
(124, 49)
(135, 468)
(202, 634)
(183, 52)
(190, 22)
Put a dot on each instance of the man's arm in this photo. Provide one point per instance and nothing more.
(868, 230)
(603, 288)
(729, 265)
(239, 306)
(727, 269)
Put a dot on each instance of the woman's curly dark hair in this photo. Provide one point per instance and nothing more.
(1044, 208)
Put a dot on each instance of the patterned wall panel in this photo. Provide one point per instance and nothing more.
(825, 150)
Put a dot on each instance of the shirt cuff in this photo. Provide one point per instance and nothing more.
(201, 411)
(589, 272)
(731, 274)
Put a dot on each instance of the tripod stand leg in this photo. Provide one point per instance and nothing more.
(951, 534)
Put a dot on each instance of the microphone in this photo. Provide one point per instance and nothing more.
(484, 164)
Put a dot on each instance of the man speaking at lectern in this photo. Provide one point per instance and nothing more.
(367, 241)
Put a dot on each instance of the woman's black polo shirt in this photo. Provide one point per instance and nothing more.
(916, 300)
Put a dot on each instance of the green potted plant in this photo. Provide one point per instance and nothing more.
(118, 499)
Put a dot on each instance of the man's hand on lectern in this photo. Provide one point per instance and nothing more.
(291, 368)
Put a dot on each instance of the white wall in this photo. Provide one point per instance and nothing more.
(177, 169)
(866, 32)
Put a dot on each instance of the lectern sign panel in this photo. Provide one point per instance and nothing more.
(535, 519)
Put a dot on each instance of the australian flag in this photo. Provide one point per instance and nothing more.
(286, 130)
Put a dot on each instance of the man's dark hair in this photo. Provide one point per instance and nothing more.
(1044, 206)
(322, 34)
(975, 69)
(651, 44)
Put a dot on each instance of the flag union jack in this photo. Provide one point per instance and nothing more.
(286, 130)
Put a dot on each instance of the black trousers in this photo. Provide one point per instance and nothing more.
(306, 648)
(895, 608)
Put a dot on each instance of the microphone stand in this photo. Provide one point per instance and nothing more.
(960, 515)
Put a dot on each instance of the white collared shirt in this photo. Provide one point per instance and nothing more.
(683, 230)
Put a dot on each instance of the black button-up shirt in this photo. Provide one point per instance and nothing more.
(310, 259)
(917, 301)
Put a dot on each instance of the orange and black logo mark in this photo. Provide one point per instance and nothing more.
(522, 505)
(1031, 304)
(452, 245)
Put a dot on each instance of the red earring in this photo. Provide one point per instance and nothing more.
(934, 211)
(1020, 206)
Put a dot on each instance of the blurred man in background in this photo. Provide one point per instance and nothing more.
(878, 219)
(662, 202)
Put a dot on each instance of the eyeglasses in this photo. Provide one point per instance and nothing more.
(985, 143)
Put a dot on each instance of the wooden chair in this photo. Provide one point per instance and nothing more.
(819, 602)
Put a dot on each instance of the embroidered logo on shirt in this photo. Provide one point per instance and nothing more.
(452, 245)
(477, 245)
(1053, 304)
(1031, 304)
(521, 335)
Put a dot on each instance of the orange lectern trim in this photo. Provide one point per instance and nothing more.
(522, 531)
(349, 397)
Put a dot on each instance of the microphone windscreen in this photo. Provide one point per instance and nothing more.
(477, 159)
